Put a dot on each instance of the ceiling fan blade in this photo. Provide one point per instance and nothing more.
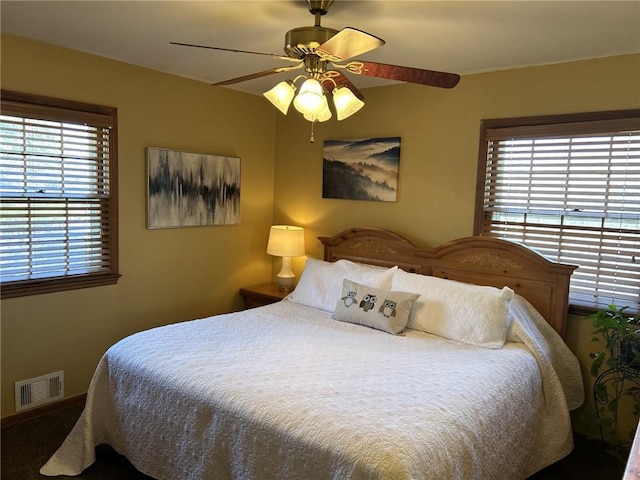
(252, 76)
(404, 74)
(348, 43)
(340, 80)
(272, 55)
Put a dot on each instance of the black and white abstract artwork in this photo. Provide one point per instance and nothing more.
(192, 189)
(364, 169)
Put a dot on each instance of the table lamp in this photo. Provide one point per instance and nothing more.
(286, 241)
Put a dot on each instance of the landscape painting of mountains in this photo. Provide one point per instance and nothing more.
(364, 169)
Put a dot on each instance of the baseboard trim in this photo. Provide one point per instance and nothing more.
(36, 412)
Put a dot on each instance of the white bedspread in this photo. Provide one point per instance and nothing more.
(285, 392)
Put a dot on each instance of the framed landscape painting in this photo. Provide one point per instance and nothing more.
(192, 189)
(364, 169)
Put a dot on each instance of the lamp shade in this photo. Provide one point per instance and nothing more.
(310, 99)
(346, 102)
(286, 241)
(281, 95)
(321, 116)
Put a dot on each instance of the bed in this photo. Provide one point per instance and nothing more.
(388, 361)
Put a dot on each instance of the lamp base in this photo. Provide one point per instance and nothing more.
(285, 284)
(286, 275)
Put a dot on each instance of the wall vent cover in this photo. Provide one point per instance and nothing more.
(39, 390)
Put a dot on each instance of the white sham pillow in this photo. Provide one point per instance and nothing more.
(320, 284)
(467, 313)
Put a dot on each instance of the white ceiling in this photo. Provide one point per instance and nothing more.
(461, 37)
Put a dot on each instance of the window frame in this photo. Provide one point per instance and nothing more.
(73, 111)
(575, 123)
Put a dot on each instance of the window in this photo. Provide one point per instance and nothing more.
(568, 186)
(58, 194)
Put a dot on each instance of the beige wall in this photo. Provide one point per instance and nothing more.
(439, 151)
(167, 275)
(439, 130)
(170, 275)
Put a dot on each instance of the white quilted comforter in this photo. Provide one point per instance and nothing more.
(285, 392)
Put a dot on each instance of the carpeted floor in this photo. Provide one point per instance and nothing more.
(26, 447)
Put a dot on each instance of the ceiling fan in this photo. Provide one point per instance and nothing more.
(322, 51)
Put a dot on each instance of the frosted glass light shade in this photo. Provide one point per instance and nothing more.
(346, 102)
(321, 116)
(281, 95)
(310, 99)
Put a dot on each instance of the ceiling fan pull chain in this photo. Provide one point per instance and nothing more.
(312, 139)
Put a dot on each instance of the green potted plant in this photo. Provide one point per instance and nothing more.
(617, 370)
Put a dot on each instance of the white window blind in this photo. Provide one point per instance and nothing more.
(571, 191)
(56, 217)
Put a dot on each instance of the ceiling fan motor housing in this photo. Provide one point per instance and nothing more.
(319, 6)
(303, 41)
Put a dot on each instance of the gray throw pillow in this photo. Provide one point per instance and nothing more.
(380, 309)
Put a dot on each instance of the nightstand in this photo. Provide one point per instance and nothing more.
(262, 295)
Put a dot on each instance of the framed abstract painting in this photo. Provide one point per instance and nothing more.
(187, 189)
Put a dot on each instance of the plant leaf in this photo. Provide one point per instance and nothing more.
(597, 363)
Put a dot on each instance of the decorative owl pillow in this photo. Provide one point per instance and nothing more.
(380, 309)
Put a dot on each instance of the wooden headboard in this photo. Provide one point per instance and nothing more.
(478, 260)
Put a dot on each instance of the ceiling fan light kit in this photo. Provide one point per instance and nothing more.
(319, 50)
(312, 101)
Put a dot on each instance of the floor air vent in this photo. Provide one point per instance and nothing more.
(39, 391)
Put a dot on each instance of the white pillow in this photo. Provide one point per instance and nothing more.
(467, 313)
(320, 284)
(380, 309)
